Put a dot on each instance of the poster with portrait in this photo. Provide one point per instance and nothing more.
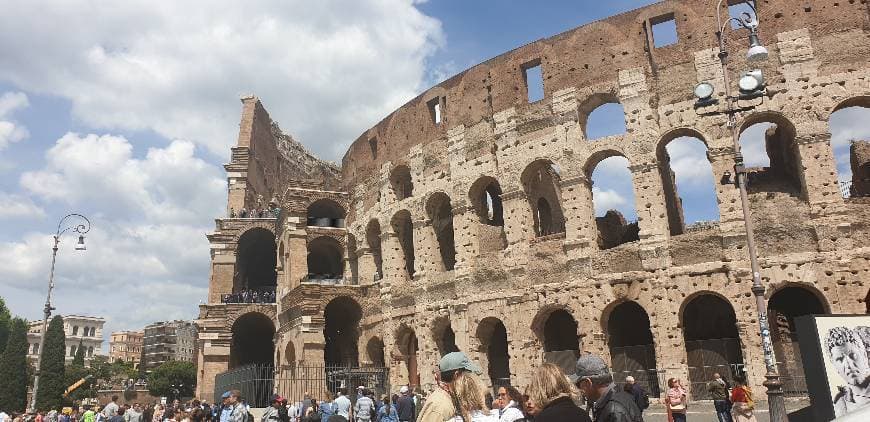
(836, 358)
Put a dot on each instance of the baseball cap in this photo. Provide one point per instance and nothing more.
(225, 395)
(589, 366)
(404, 389)
(458, 360)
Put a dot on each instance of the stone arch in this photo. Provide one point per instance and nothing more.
(440, 214)
(493, 337)
(485, 198)
(341, 331)
(784, 173)
(325, 259)
(852, 161)
(673, 200)
(401, 182)
(611, 225)
(631, 344)
(407, 347)
(856, 101)
(252, 340)
(445, 337)
(290, 354)
(557, 330)
(403, 228)
(373, 240)
(375, 352)
(256, 259)
(786, 303)
(325, 213)
(594, 103)
(540, 181)
(712, 340)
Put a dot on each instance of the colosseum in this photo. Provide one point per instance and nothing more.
(465, 218)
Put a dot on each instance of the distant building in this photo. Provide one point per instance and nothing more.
(165, 341)
(126, 346)
(80, 330)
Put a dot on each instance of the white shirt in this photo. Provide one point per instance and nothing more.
(342, 406)
(3, 416)
(479, 416)
(510, 414)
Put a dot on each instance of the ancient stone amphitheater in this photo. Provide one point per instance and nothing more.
(465, 218)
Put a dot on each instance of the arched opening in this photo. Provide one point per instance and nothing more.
(558, 332)
(492, 335)
(290, 354)
(375, 352)
(341, 332)
(613, 200)
(325, 259)
(252, 342)
(325, 213)
(406, 341)
(400, 180)
(373, 238)
(771, 155)
(602, 115)
(712, 342)
(632, 349)
(850, 141)
(485, 198)
(541, 184)
(445, 337)
(687, 175)
(783, 307)
(441, 215)
(256, 258)
(404, 230)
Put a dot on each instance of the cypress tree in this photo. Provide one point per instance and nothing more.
(5, 323)
(51, 367)
(13, 369)
(79, 358)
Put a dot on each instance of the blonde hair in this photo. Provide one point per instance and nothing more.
(548, 384)
(470, 394)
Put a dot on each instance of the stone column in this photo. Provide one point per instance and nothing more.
(652, 215)
(819, 178)
(296, 263)
(223, 267)
(581, 232)
(465, 238)
(427, 251)
(519, 228)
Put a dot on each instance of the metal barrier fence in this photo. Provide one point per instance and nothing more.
(257, 383)
(706, 357)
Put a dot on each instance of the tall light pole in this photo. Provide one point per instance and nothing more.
(83, 226)
(751, 86)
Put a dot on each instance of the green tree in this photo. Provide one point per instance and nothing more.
(5, 322)
(51, 367)
(13, 368)
(174, 379)
(79, 357)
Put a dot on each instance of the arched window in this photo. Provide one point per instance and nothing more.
(407, 347)
(541, 181)
(325, 213)
(400, 180)
(325, 259)
(445, 337)
(771, 155)
(485, 198)
(256, 258)
(712, 342)
(687, 176)
(441, 215)
(341, 331)
(252, 340)
(850, 140)
(784, 306)
(492, 335)
(404, 230)
(632, 350)
(613, 199)
(373, 238)
(375, 351)
(602, 115)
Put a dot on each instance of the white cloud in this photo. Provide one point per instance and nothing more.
(9, 130)
(326, 69)
(752, 145)
(18, 206)
(689, 162)
(606, 200)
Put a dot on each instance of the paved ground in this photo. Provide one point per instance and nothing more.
(704, 411)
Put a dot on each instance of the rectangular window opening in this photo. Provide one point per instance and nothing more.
(435, 109)
(736, 9)
(373, 144)
(664, 30)
(534, 77)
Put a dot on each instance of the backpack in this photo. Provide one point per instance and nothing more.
(644, 400)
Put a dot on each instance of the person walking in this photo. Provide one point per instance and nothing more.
(593, 377)
(641, 398)
(119, 415)
(342, 404)
(237, 411)
(405, 406)
(365, 406)
(388, 411)
(553, 397)
(111, 409)
(743, 404)
(675, 401)
(134, 414)
(718, 389)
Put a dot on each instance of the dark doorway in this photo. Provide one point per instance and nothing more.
(782, 308)
(404, 230)
(375, 350)
(325, 259)
(406, 339)
(441, 214)
(252, 341)
(632, 349)
(256, 258)
(492, 335)
(712, 342)
(561, 343)
(341, 332)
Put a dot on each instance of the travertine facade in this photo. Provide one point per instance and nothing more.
(84, 331)
(477, 230)
(126, 346)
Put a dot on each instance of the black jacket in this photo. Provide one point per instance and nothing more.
(616, 406)
(562, 409)
(405, 409)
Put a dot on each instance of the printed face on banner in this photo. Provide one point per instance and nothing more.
(846, 352)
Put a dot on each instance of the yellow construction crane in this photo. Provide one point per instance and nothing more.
(76, 385)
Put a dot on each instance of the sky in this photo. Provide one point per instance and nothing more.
(125, 112)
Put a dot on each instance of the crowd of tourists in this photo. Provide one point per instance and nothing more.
(249, 296)
(175, 411)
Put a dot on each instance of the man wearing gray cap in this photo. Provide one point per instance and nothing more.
(448, 402)
(593, 378)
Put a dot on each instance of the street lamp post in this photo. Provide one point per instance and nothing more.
(82, 227)
(751, 86)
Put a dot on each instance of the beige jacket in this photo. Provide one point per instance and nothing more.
(438, 407)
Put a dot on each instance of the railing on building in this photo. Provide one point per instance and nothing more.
(855, 188)
(258, 382)
(260, 295)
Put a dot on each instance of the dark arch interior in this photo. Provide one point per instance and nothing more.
(783, 307)
(541, 184)
(441, 214)
(375, 350)
(628, 325)
(405, 233)
(496, 345)
(712, 342)
(400, 179)
(325, 259)
(709, 317)
(560, 332)
(489, 207)
(256, 259)
(341, 332)
(373, 238)
(632, 351)
(325, 213)
(408, 346)
(252, 341)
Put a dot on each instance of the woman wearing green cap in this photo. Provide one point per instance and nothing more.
(459, 396)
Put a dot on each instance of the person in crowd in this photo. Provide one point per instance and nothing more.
(718, 389)
(365, 406)
(388, 412)
(111, 409)
(234, 409)
(99, 416)
(509, 404)
(553, 396)
(271, 414)
(119, 415)
(593, 377)
(743, 404)
(405, 405)
(327, 407)
(641, 398)
(342, 404)
(134, 414)
(4, 417)
(675, 400)
(52, 415)
(459, 396)
(306, 402)
(292, 412)
(158, 413)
